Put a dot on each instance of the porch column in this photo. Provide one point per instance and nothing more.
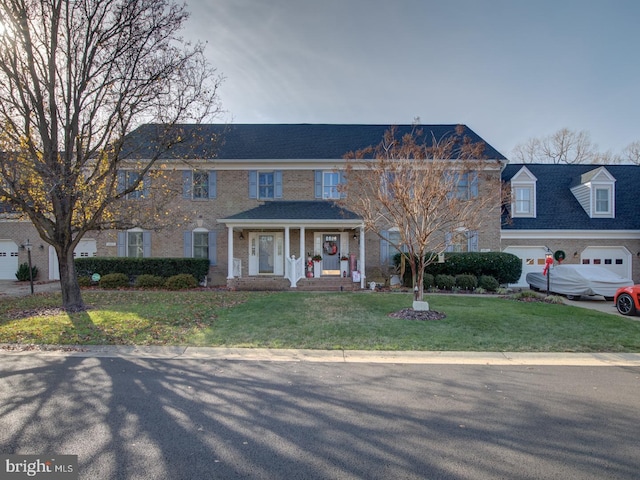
(303, 254)
(287, 239)
(229, 253)
(362, 257)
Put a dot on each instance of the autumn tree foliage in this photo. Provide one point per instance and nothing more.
(428, 189)
(75, 77)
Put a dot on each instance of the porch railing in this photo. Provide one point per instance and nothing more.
(294, 270)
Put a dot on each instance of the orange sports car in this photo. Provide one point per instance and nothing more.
(627, 300)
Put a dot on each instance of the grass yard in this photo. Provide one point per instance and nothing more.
(314, 320)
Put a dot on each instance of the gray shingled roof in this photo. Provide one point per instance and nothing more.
(276, 141)
(558, 209)
(296, 210)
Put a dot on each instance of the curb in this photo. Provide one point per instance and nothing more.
(330, 356)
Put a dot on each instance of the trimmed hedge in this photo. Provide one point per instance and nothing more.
(504, 267)
(445, 282)
(182, 281)
(466, 281)
(133, 267)
(489, 283)
(114, 280)
(148, 281)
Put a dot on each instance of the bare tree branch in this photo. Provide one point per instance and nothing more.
(75, 77)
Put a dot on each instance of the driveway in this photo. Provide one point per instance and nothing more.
(13, 288)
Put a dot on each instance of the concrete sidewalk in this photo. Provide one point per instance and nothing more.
(328, 356)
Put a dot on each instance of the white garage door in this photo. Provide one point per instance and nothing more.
(616, 259)
(8, 260)
(532, 261)
(85, 248)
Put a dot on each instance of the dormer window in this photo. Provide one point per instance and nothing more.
(595, 191)
(603, 203)
(523, 194)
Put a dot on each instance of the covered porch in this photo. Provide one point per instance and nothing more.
(294, 241)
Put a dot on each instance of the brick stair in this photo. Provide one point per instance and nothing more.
(327, 284)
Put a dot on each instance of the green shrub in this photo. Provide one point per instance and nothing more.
(466, 281)
(555, 299)
(428, 281)
(84, 281)
(114, 280)
(479, 291)
(23, 272)
(181, 282)
(132, 267)
(148, 281)
(445, 282)
(504, 267)
(489, 283)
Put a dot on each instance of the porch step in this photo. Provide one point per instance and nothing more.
(322, 284)
(327, 284)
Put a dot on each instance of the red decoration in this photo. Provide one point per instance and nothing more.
(547, 263)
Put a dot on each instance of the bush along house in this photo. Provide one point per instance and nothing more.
(259, 201)
(581, 214)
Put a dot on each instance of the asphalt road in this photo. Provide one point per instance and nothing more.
(151, 418)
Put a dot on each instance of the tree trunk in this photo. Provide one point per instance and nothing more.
(419, 295)
(71, 295)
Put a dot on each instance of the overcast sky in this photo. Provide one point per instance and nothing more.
(509, 69)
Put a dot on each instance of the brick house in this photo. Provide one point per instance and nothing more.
(588, 213)
(258, 200)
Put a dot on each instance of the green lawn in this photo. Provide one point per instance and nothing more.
(314, 320)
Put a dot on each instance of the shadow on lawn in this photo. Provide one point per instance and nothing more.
(141, 418)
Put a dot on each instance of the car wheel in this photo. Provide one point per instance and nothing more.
(573, 297)
(625, 305)
(535, 289)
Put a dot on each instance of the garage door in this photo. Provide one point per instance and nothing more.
(532, 261)
(616, 259)
(8, 260)
(85, 248)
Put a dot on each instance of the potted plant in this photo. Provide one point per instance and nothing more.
(344, 265)
(317, 266)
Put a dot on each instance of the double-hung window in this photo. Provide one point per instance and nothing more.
(523, 200)
(128, 178)
(265, 185)
(199, 184)
(602, 200)
(327, 184)
(200, 243)
(134, 243)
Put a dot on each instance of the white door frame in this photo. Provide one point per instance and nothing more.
(278, 253)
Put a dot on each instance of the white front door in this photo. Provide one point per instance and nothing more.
(331, 246)
(266, 253)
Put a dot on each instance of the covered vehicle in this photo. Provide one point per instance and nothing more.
(627, 300)
(573, 281)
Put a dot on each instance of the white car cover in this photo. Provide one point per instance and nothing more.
(576, 280)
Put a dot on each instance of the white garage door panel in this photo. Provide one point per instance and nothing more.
(8, 260)
(85, 248)
(616, 259)
(532, 261)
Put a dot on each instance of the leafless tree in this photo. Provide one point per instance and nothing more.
(427, 188)
(631, 153)
(563, 146)
(75, 77)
